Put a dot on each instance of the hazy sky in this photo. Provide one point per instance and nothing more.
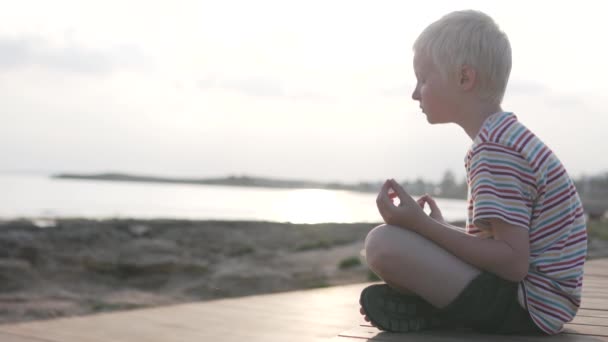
(291, 89)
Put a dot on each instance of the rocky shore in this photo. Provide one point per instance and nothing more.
(74, 267)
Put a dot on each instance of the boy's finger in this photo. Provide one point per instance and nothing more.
(385, 187)
(432, 204)
(421, 203)
(399, 189)
(383, 202)
(382, 192)
(385, 195)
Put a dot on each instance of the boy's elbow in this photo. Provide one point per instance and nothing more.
(516, 272)
(518, 276)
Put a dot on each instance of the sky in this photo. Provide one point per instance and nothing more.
(290, 89)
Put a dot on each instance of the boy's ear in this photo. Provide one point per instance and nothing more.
(468, 78)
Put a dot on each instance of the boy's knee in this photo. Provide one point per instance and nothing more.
(381, 247)
(375, 237)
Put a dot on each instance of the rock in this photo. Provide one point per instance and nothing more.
(144, 263)
(44, 223)
(16, 275)
(138, 229)
(259, 281)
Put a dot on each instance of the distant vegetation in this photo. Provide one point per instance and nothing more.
(449, 187)
(594, 192)
(598, 229)
(593, 189)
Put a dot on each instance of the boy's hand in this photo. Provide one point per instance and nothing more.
(407, 215)
(435, 211)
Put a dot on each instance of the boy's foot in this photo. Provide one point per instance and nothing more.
(392, 311)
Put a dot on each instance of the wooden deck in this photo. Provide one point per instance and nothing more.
(329, 314)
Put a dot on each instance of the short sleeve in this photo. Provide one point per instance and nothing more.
(502, 185)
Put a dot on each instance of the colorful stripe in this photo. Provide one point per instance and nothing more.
(512, 175)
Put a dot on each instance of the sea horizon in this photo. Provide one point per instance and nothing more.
(40, 196)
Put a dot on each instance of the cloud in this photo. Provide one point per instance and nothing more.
(526, 87)
(404, 90)
(28, 51)
(552, 97)
(257, 86)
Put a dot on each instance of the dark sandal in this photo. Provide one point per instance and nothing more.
(392, 311)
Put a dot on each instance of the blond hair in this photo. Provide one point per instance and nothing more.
(469, 38)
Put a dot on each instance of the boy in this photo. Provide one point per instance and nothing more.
(518, 265)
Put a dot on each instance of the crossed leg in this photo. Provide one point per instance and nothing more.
(410, 263)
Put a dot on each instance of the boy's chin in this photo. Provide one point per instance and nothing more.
(430, 119)
(434, 120)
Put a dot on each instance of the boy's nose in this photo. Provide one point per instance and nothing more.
(415, 95)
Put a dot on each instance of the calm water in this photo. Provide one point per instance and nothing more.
(42, 197)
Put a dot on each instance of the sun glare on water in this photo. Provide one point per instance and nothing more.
(312, 206)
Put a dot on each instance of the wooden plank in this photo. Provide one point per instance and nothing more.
(597, 262)
(599, 271)
(140, 330)
(363, 333)
(595, 289)
(587, 279)
(592, 313)
(597, 274)
(582, 326)
(300, 316)
(4, 337)
(580, 329)
(599, 265)
(594, 303)
(587, 320)
(565, 338)
(593, 295)
(598, 287)
(556, 338)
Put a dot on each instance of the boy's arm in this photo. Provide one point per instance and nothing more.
(506, 255)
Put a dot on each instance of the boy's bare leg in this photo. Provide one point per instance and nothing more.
(409, 262)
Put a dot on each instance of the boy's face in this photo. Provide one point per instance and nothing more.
(437, 96)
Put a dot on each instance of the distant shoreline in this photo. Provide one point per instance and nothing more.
(245, 181)
(596, 206)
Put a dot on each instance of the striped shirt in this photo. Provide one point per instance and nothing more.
(513, 176)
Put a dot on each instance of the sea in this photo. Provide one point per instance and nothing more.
(34, 196)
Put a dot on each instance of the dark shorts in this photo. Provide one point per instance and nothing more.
(489, 305)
